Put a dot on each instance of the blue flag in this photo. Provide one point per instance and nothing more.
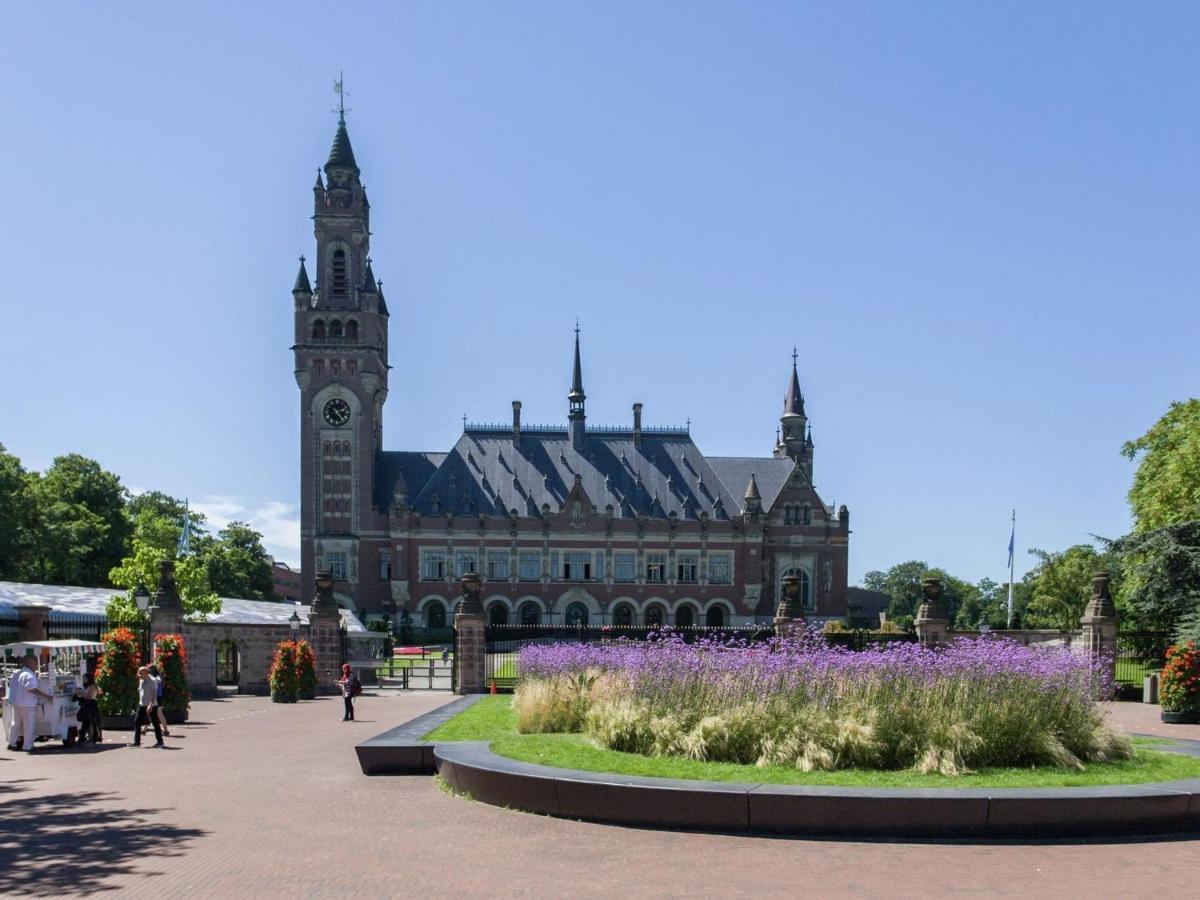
(185, 536)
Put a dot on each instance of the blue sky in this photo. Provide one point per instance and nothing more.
(976, 221)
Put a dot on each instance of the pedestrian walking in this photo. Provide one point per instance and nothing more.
(351, 688)
(23, 694)
(147, 707)
(162, 715)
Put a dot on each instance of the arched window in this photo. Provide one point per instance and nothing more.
(335, 329)
(531, 613)
(435, 615)
(805, 586)
(352, 330)
(715, 617)
(623, 614)
(340, 278)
(684, 617)
(319, 330)
(498, 614)
(577, 614)
(654, 615)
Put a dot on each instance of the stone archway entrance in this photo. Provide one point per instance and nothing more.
(228, 663)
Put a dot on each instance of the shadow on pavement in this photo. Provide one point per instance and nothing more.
(69, 843)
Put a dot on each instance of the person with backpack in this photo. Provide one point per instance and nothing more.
(351, 688)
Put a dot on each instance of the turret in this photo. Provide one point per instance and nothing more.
(753, 499)
(792, 424)
(302, 289)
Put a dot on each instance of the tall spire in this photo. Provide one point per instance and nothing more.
(576, 399)
(793, 401)
(577, 377)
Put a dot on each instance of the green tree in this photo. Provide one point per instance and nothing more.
(80, 528)
(16, 519)
(237, 564)
(156, 537)
(903, 583)
(1166, 486)
(1162, 569)
(1061, 585)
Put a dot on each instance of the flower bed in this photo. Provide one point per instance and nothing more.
(802, 703)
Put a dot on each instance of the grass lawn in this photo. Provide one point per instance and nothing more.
(492, 719)
(410, 662)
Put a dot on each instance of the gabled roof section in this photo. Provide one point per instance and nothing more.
(403, 471)
(769, 474)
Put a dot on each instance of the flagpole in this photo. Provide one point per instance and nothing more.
(1011, 557)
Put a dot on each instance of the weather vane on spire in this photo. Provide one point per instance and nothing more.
(340, 90)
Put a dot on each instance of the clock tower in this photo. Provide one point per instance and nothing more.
(341, 369)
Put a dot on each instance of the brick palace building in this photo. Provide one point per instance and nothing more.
(626, 524)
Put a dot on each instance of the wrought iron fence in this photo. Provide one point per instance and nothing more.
(1140, 653)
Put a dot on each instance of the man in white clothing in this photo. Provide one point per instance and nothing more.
(23, 694)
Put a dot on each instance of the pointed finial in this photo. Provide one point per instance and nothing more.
(340, 90)
(464, 421)
(795, 354)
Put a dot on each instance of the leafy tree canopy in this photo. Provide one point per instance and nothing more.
(16, 519)
(1162, 587)
(79, 526)
(1166, 486)
(1061, 584)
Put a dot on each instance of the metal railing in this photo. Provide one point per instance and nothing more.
(1140, 653)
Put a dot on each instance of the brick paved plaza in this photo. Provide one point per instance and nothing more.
(257, 800)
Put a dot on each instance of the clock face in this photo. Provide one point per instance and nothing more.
(337, 412)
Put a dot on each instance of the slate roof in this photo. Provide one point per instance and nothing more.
(403, 471)
(486, 472)
(770, 473)
(64, 600)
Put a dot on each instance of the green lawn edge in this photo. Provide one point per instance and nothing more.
(491, 719)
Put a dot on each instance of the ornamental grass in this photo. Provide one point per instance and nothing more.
(803, 703)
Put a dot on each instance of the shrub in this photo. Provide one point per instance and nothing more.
(116, 674)
(1179, 685)
(282, 677)
(306, 669)
(170, 655)
(800, 702)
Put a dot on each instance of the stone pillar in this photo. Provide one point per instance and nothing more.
(34, 622)
(166, 610)
(324, 620)
(470, 645)
(1099, 625)
(932, 622)
(789, 615)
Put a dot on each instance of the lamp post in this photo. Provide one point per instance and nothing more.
(294, 622)
(141, 597)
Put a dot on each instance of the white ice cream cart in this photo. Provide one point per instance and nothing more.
(61, 667)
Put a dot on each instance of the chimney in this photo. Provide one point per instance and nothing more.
(516, 421)
(637, 424)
